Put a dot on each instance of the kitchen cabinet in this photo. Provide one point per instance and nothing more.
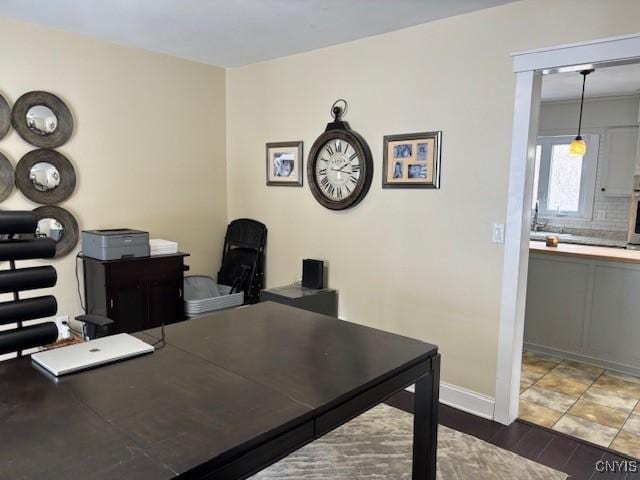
(136, 293)
(620, 161)
(584, 309)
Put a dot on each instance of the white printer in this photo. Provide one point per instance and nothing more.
(115, 244)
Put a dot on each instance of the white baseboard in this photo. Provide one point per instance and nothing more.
(465, 400)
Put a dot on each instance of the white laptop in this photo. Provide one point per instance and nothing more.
(64, 360)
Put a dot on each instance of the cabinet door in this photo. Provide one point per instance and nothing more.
(557, 291)
(614, 332)
(129, 306)
(619, 161)
(165, 301)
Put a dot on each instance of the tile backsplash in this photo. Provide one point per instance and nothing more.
(609, 213)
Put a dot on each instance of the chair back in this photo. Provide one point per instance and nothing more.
(243, 258)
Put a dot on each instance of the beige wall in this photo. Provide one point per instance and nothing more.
(418, 263)
(149, 142)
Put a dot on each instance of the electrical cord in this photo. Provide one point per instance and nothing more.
(77, 333)
(161, 340)
(82, 305)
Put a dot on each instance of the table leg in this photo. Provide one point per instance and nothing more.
(425, 423)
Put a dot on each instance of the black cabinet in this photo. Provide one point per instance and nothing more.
(136, 293)
(324, 301)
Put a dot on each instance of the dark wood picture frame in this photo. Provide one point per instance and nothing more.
(298, 167)
(433, 160)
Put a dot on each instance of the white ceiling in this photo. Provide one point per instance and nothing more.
(603, 82)
(234, 32)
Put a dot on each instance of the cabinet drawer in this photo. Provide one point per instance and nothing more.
(145, 268)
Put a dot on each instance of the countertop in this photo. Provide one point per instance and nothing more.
(600, 241)
(587, 251)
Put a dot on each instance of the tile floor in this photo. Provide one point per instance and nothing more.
(587, 402)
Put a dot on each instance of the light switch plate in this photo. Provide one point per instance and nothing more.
(497, 232)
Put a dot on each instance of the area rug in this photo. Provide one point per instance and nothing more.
(377, 446)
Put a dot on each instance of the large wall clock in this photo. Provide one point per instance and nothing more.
(340, 166)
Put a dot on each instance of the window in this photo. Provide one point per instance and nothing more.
(564, 185)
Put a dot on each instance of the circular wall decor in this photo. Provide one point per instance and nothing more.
(42, 119)
(45, 176)
(7, 177)
(60, 225)
(5, 117)
(340, 164)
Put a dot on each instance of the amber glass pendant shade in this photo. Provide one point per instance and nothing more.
(578, 146)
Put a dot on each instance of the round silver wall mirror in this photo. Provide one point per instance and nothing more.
(44, 176)
(7, 177)
(51, 228)
(58, 224)
(5, 116)
(41, 120)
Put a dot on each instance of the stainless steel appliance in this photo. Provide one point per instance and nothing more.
(633, 237)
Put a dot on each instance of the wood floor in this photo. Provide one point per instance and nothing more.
(572, 456)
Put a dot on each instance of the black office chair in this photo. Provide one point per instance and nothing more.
(14, 281)
(243, 258)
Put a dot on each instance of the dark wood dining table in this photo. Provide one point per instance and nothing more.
(222, 397)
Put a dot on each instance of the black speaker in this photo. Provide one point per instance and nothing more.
(313, 274)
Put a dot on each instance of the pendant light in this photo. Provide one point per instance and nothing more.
(578, 146)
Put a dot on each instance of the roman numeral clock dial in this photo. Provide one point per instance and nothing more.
(338, 169)
(340, 166)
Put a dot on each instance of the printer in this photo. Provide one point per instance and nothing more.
(115, 244)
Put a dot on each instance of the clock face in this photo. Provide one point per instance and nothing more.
(340, 168)
(337, 169)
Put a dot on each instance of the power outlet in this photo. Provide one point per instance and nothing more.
(497, 232)
(62, 322)
(601, 215)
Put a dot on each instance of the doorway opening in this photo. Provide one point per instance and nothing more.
(564, 188)
(581, 362)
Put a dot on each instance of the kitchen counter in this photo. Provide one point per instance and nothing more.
(583, 304)
(587, 251)
(600, 241)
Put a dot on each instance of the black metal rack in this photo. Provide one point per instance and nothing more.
(14, 280)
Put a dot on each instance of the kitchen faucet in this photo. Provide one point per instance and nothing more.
(535, 225)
